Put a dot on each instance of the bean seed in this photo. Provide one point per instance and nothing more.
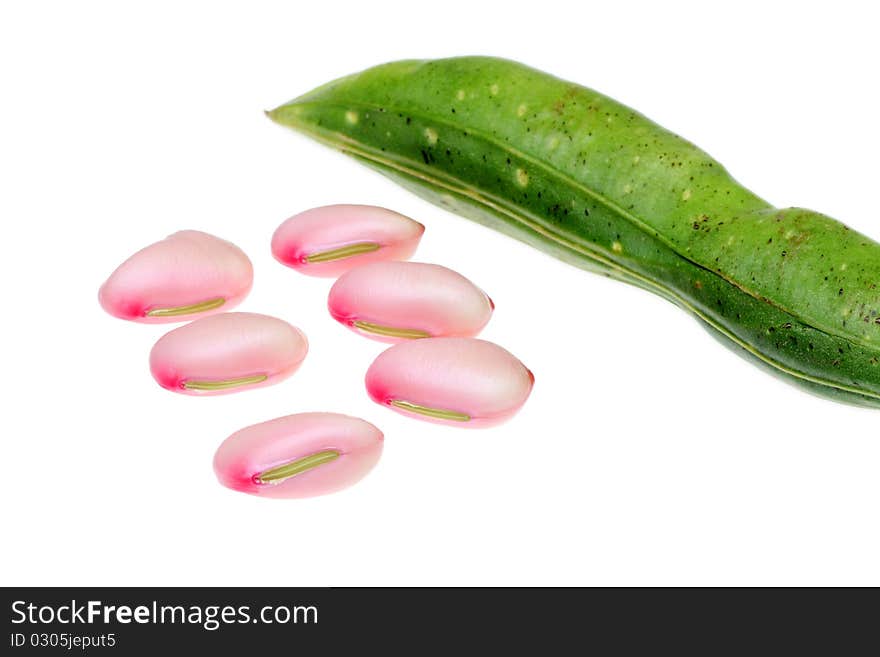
(395, 301)
(462, 382)
(227, 353)
(298, 455)
(330, 240)
(188, 274)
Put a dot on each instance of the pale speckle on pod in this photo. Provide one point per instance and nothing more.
(298, 455)
(395, 301)
(188, 274)
(462, 382)
(330, 240)
(227, 353)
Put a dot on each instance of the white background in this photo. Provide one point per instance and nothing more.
(647, 454)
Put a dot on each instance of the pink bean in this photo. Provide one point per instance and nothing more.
(330, 240)
(463, 382)
(226, 353)
(298, 455)
(397, 301)
(188, 274)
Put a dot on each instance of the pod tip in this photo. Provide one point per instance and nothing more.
(271, 114)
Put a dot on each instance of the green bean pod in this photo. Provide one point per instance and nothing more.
(600, 186)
